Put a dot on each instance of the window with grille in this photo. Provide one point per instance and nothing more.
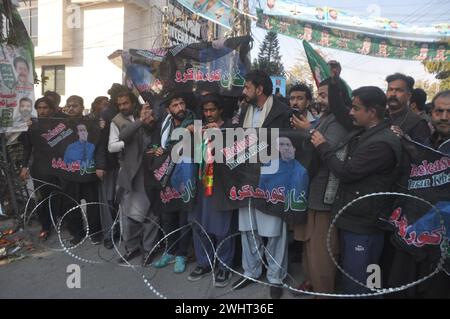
(54, 78)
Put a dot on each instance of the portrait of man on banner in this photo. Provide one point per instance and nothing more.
(23, 74)
(23, 113)
(290, 180)
(16, 88)
(81, 150)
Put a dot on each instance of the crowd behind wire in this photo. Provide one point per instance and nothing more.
(357, 141)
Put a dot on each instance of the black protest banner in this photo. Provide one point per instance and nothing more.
(175, 183)
(66, 147)
(222, 64)
(420, 229)
(278, 186)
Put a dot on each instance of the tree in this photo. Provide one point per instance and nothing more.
(299, 72)
(269, 57)
(442, 71)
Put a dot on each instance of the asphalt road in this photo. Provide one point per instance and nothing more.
(44, 273)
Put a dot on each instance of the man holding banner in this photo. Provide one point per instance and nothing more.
(211, 222)
(180, 182)
(419, 230)
(264, 111)
(78, 157)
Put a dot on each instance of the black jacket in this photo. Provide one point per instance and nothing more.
(371, 166)
(278, 117)
(412, 124)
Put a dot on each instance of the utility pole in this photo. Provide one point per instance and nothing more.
(165, 25)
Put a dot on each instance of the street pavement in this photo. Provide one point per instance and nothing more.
(46, 270)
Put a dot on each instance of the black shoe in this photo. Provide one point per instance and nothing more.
(276, 291)
(129, 256)
(96, 239)
(241, 283)
(108, 244)
(198, 273)
(223, 278)
(76, 240)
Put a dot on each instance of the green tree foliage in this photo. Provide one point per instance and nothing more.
(269, 57)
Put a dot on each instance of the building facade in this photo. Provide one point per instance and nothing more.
(73, 39)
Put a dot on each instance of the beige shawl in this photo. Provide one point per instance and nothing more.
(248, 120)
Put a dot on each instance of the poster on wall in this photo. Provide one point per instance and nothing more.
(16, 88)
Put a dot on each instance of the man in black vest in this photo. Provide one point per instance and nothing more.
(373, 153)
(400, 88)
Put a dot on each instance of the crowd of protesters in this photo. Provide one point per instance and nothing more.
(357, 140)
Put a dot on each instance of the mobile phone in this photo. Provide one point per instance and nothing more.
(296, 112)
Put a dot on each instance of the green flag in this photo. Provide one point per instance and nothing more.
(319, 67)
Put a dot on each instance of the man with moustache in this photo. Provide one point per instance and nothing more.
(264, 111)
(318, 267)
(405, 267)
(440, 118)
(369, 166)
(25, 109)
(178, 117)
(133, 136)
(399, 91)
(299, 99)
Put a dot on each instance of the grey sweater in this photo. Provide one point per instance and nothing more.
(333, 133)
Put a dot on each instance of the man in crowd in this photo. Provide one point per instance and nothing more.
(45, 109)
(55, 97)
(406, 267)
(399, 91)
(318, 267)
(370, 165)
(133, 135)
(440, 118)
(178, 242)
(217, 224)
(417, 105)
(264, 111)
(107, 168)
(300, 98)
(86, 190)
